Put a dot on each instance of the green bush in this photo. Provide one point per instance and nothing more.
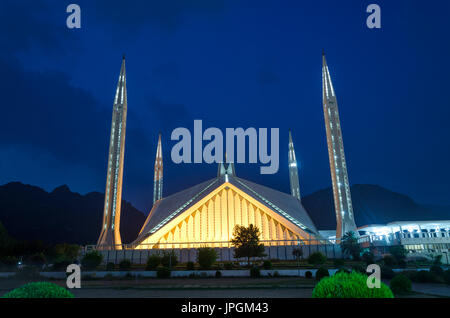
(163, 272)
(276, 274)
(228, 266)
(317, 258)
(255, 272)
(152, 262)
(169, 259)
(206, 257)
(267, 264)
(321, 273)
(353, 285)
(338, 262)
(401, 284)
(308, 274)
(110, 266)
(218, 274)
(39, 290)
(91, 260)
(125, 265)
(190, 266)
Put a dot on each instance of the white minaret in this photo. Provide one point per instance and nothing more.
(110, 233)
(293, 170)
(341, 188)
(158, 176)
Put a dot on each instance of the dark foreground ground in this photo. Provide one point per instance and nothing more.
(285, 287)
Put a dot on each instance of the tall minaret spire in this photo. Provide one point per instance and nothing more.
(110, 233)
(293, 170)
(158, 176)
(341, 188)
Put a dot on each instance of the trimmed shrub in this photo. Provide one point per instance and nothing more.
(401, 285)
(125, 265)
(338, 262)
(169, 259)
(91, 260)
(218, 274)
(152, 262)
(255, 272)
(317, 258)
(190, 266)
(110, 266)
(353, 285)
(276, 274)
(163, 272)
(206, 257)
(39, 290)
(228, 266)
(308, 274)
(267, 264)
(321, 273)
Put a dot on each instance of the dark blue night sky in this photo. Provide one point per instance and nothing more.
(231, 64)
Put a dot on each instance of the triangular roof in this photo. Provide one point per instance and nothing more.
(172, 206)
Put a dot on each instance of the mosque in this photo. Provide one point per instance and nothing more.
(206, 214)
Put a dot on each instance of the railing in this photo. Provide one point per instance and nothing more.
(187, 251)
(219, 244)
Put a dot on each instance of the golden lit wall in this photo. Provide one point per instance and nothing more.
(210, 222)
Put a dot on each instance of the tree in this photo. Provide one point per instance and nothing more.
(91, 260)
(246, 242)
(350, 245)
(398, 252)
(206, 257)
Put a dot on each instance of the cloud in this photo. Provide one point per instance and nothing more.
(31, 24)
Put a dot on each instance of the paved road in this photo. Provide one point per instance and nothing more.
(432, 289)
(207, 293)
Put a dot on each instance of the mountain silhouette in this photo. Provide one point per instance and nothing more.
(31, 213)
(372, 204)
